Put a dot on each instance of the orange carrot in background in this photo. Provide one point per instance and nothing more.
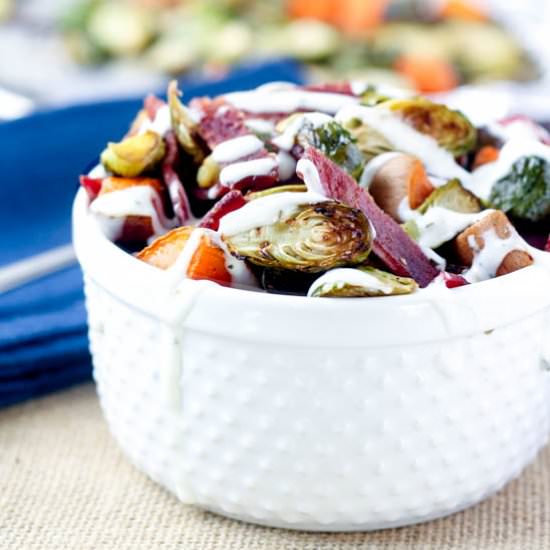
(485, 155)
(470, 10)
(311, 9)
(357, 16)
(427, 74)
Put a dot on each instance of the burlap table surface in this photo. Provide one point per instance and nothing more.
(64, 484)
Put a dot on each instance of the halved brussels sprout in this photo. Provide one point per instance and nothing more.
(525, 191)
(361, 282)
(371, 96)
(452, 196)
(451, 129)
(134, 155)
(208, 173)
(370, 142)
(183, 124)
(313, 238)
(291, 188)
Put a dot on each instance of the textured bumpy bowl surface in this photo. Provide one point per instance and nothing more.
(319, 414)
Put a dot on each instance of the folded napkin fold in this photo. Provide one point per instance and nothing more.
(43, 334)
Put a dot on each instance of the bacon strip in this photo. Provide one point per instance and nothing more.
(178, 195)
(221, 122)
(391, 244)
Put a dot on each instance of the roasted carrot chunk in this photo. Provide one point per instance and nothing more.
(207, 260)
(428, 74)
(463, 9)
(485, 155)
(114, 183)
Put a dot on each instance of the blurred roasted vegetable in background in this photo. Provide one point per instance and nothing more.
(314, 238)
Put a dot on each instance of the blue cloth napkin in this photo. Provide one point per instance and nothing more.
(43, 333)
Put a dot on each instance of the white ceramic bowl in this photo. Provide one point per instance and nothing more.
(318, 414)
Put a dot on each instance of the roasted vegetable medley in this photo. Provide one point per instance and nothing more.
(320, 190)
(428, 46)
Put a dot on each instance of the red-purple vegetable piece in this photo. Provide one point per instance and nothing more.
(392, 245)
(178, 195)
(92, 186)
(228, 203)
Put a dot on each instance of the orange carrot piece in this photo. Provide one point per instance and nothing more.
(485, 155)
(419, 186)
(164, 250)
(428, 74)
(113, 183)
(314, 9)
(208, 262)
(463, 9)
(356, 16)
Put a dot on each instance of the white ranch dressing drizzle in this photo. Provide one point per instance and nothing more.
(287, 165)
(487, 260)
(161, 124)
(343, 276)
(405, 138)
(237, 148)
(139, 200)
(310, 176)
(260, 126)
(98, 172)
(289, 101)
(374, 165)
(483, 179)
(240, 170)
(265, 211)
(517, 129)
(287, 139)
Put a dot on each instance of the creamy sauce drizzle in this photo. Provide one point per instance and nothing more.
(341, 277)
(287, 165)
(162, 123)
(260, 126)
(238, 171)
(486, 176)
(140, 200)
(287, 139)
(288, 101)
(373, 166)
(237, 148)
(265, 211)
(310, 176)
(405, 138)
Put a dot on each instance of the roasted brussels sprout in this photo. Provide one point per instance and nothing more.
(292, 188)
(451, 129)
(134, 155)
(370, 142)
(525, 191)
(315, 237)
(371, 96)
(183, 124)
(452, 196)
(208, 173)
(360, 282)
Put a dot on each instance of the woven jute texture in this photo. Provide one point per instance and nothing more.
(64, 484)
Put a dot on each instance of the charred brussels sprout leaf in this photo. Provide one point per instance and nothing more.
(451, 129)
(290, 188)
(315, 237)
(525, 191)
(134, 155)
(337, 144)
(371, 97)
(452, 196)
(361, 282)
(183, 124)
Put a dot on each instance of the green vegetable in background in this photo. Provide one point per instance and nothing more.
(370, 142)
(381, 283)
(134, 155)
(452, 196)
(451, 129)
(525, 191)
(314, 238)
